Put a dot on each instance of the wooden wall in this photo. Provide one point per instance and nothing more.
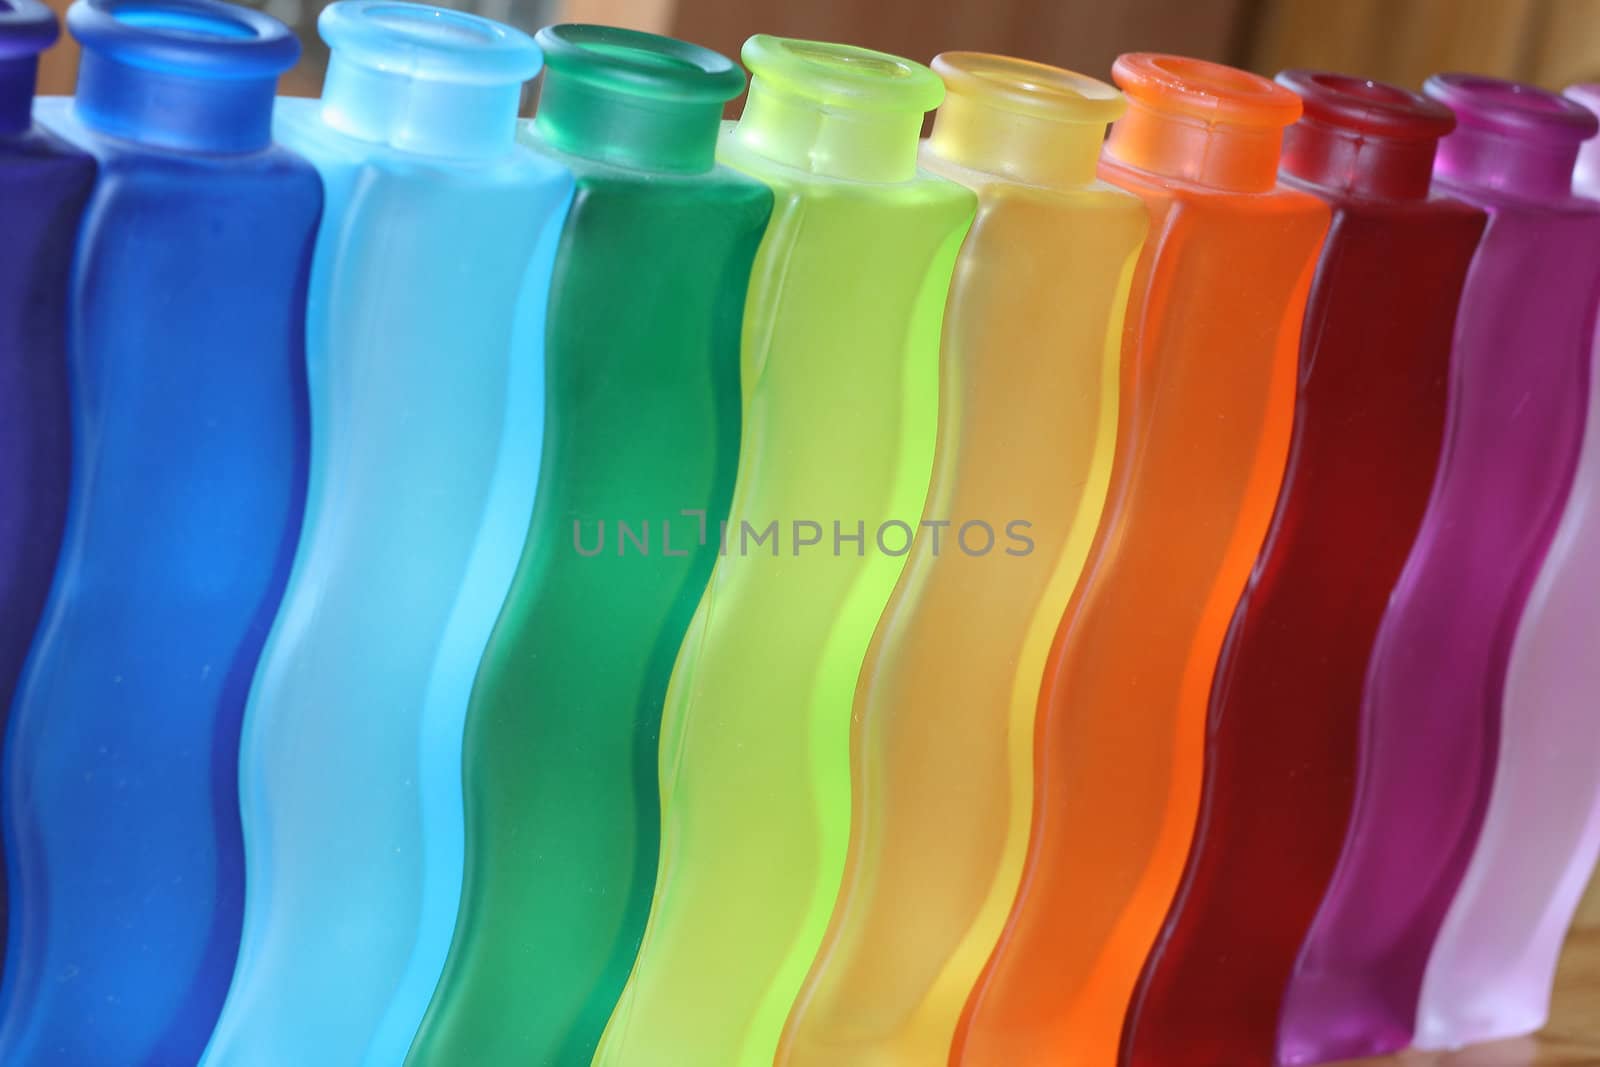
(1550, 42)
(1077, 34)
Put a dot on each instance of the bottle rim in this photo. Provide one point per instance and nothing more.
(1034, 89)
(427, 43)
(198, 38)
(1200, 89)
(634, 61)
(1369, 107)
(843, 76)
(1513, 109)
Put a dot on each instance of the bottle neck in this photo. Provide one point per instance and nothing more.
(633, 99)
(596, 123)
(1485, 159)
(1229, 157)
(835, 110)
(1020, 120)
(27, 27)
(429, 118)
(1200, 122)
(423, 79)
(1510, 137)
(1363, 138)
(190, 75)
(865, 146)
(1356, 163)
(172, 110)
(17, 76)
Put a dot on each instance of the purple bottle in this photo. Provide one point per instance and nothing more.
(43, 186)
(1432, 700)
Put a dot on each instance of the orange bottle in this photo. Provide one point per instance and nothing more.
(1208, 387)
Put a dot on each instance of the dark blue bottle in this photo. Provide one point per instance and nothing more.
(186, 308)
(43, 185)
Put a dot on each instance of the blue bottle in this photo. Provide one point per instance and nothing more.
(425, 347)
(186, 312)
(43, 185)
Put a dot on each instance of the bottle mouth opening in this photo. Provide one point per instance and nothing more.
(171, 18)
(843, 76)
(1368, 107)
(643, 63)
(27, 27)
(1206, 91)
(1033, 89)
(847, 64)
(431, 26)
(428, 43)
(1364, 90)
(199, 38)
(1514, 109)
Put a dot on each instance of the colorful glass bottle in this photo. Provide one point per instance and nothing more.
(426, 367)
(1285, 706)
(1208, 373)
(186, 318)
(641, 441)
(1493, 965)
(840, 385)
(943, 725)
(44, 182)
(1432, 700)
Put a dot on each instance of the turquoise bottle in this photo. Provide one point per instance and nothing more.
(424, 349)
(641, 439)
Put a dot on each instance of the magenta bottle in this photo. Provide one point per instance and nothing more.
(1431, 713)
(1493, 966)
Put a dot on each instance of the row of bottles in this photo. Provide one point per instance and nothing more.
(617, 588)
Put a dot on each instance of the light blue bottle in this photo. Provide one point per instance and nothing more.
(425, 355)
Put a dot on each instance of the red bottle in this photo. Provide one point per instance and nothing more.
(1286, 699)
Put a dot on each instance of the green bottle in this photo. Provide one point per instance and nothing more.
(841, 390)
(642, 420)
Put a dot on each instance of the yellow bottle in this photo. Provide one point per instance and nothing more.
(945, 705)
(840, 382)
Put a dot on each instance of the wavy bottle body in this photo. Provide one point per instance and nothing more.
(1208, 365)
(426, 317)
(642, 395)
(1433, 696)
(840, 366)
(1284, 715)
(943, 732)
(186, 305)
(1492, 968)
(46, 183)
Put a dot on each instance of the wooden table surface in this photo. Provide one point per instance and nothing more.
(1571, 1040)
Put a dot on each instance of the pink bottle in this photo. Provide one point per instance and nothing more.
(1494, 962)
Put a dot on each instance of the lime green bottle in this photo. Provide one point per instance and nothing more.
(840, 382)
(641, 426)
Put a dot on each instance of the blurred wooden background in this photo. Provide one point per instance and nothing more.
(1550, 42)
